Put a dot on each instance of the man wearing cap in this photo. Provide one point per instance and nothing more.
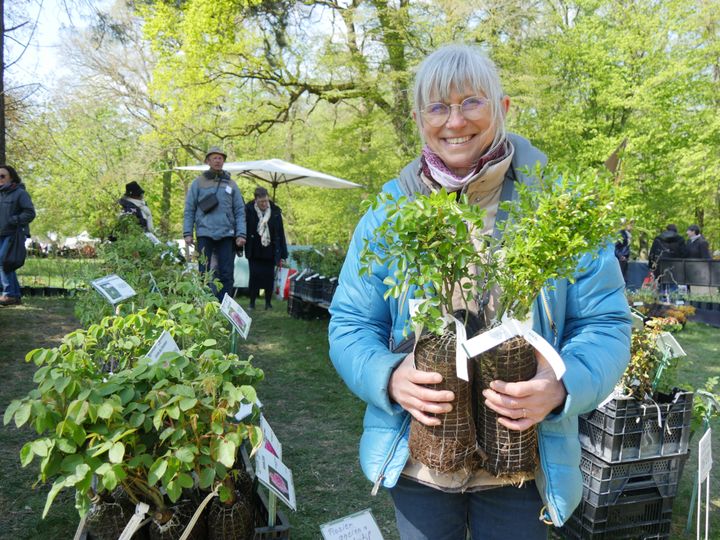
(133, 203)
(215, 210)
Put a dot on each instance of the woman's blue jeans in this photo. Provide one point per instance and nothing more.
(503, 513)
(9, 280)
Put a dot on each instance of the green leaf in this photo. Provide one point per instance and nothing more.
(54, 490)
(185, 480)
(14, 406)
(226, 451)
(105, 410)
(117, 452)
(187, 403)
(185, 454)
(207, 476)
(157, 471)
(23, 414)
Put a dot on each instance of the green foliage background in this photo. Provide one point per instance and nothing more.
(326, 85)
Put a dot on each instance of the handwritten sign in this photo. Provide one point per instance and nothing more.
(113, 288)
(359, 526)
(236, 315)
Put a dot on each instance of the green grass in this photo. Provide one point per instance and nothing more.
(55, 272)
(317, 420)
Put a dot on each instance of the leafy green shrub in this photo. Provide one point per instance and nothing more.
(102, 409)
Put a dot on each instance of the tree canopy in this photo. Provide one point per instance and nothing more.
(326, 84)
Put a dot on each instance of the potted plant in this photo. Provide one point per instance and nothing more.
(105, 411)
(429, 242)
(550, 226)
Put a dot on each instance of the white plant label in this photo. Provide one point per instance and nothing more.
(636, 304)
(113, 288)
(461, 358)
(705, 456)
(154, 239)
(668, 345)
(273, 473)
(246, 410)
(704, 467)
(236, 315)
(270, 440)
(637, 321)
(508, 330)
(165, 343)
(358, 526)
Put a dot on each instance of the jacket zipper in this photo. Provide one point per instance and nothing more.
(550, 509)
(391, 453)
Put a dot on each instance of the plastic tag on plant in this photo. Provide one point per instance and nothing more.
(461, 357)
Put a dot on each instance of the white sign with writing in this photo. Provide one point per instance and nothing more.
(236, 315)
(165, 343)
(273, 473)
(359, 526)
(113, 288)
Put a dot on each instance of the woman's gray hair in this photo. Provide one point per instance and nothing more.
(462, 68)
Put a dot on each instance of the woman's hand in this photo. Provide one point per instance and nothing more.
(407, 390)
(523, 404)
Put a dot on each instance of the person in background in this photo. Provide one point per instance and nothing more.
(666, 245)
(133, 203)
(16, 211)
(215, 211)
(460, 110)
(622, 248)
(697, 247)
(266, 247)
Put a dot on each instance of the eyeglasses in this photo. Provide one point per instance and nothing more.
(436, 114)
(4, 175)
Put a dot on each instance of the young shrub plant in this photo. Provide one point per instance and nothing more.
(429, 245)
(102, 409)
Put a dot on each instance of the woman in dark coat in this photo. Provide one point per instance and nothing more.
(266, 247)
(16, 212)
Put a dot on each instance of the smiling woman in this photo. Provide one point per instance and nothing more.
(460, 110)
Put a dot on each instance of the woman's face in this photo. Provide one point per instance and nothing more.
(461, 142)
(4, 176)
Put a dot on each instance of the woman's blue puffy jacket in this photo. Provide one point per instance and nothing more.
(587, 322)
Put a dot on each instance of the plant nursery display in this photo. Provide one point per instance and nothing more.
(443, 260)
(115, 426)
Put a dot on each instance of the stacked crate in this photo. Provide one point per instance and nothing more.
(633, 455)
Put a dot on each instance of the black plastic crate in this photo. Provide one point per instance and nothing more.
(627, 429)
(605, 483)
(641, 516)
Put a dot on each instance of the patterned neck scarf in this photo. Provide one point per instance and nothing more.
(262, 227)
(434, 167)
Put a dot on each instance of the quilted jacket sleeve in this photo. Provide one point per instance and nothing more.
(361, 323)
(596, 337)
